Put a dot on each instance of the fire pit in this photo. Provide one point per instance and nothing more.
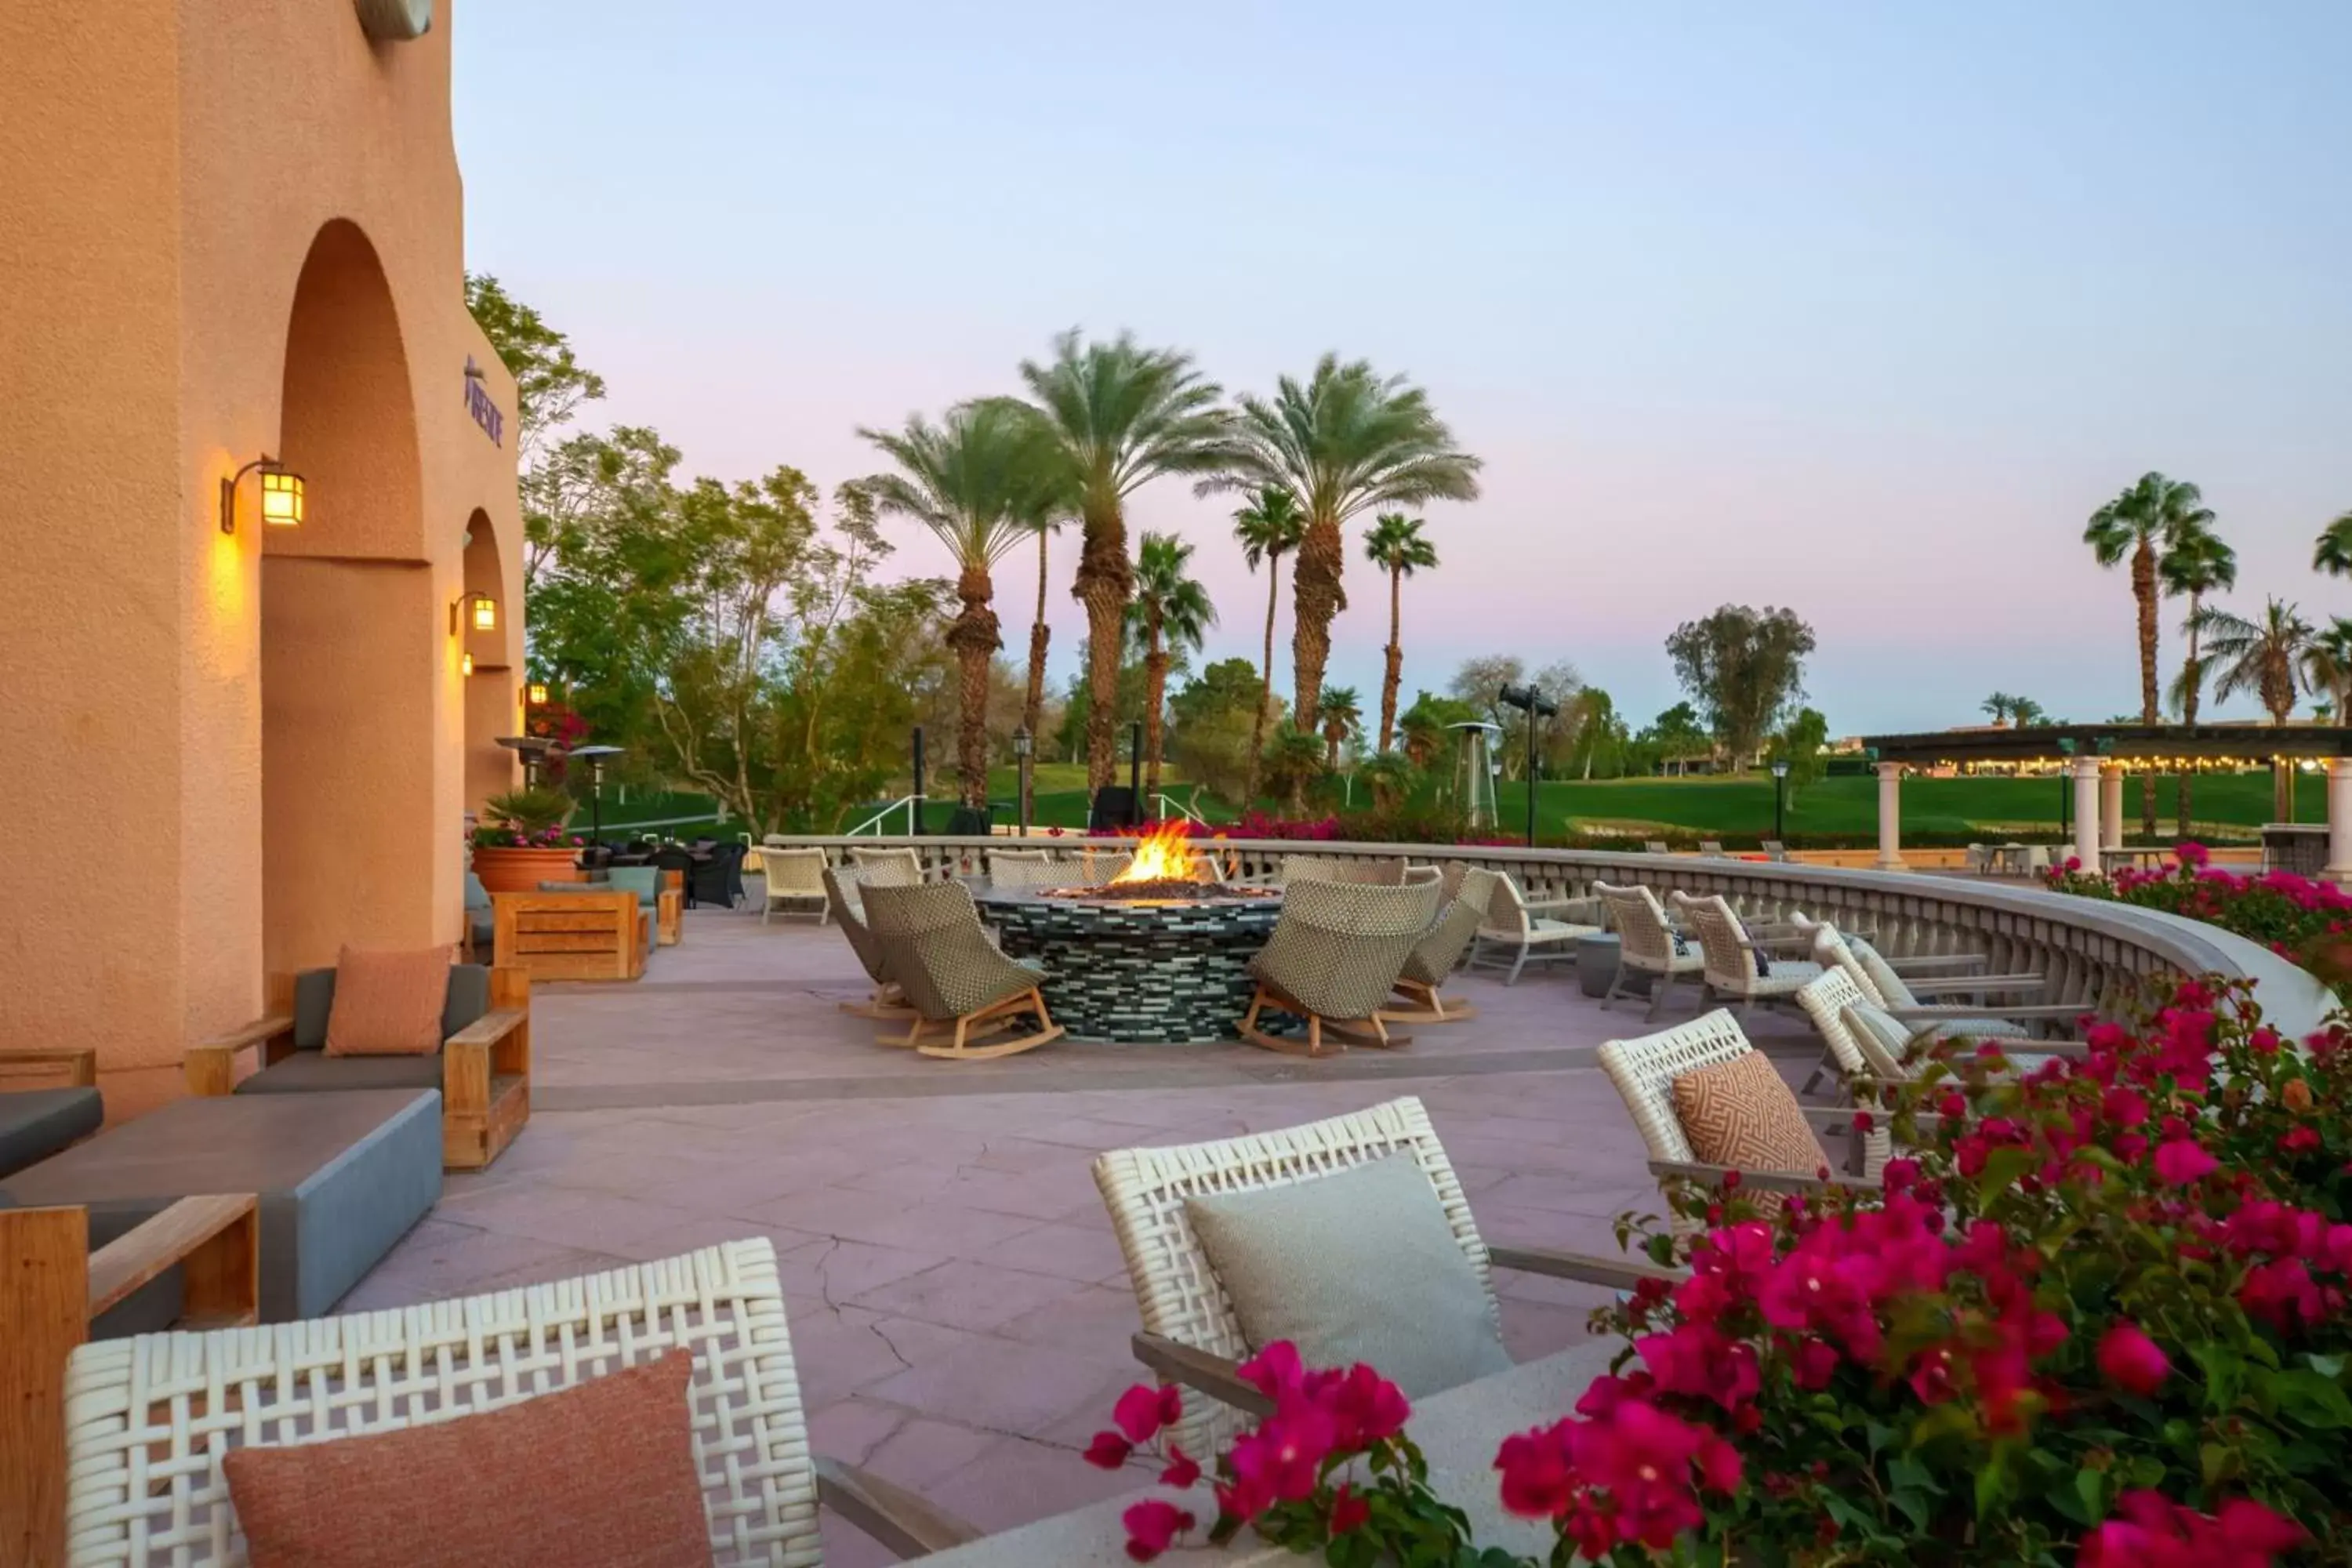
(1153, 956)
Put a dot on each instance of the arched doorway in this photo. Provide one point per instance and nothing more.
(351, 639)
(493, 693)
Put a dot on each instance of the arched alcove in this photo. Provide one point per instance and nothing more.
(493, 693)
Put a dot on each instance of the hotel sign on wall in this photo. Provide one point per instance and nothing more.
(487, 414)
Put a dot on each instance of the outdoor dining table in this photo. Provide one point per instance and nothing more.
(2011, 859)
(1459, 1430)
(2112, 858)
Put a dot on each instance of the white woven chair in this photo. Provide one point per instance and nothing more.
(1190, 1332)
(1513, 935)
(1731, 970)
(887, 867)
(1880, 984)
(151, 1417)
(793, 877)
(1711, 847)
(1023, 871)
(1656, 846)
(1774, 849)
(1647, 944)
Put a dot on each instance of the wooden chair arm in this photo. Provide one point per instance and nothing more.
(1764, 1181)
(488, 1030)
(227, 1295)
(904, 1523)
(1929, 985)
(79, 1063)
(210, 1066)
(1202, 1370)
(1615, 1273)
(259, 1032)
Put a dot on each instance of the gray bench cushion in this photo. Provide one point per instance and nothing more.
(35, 1124)
(306, 1072)
(314, 999)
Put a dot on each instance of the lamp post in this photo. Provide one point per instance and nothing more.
(1780, 799)
(1022, 746)
(1134, 816)
(595, 755)
(914, 807)
(1530, 701)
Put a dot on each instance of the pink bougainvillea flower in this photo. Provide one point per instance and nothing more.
(1144, 1409)
(2131, 1360)
(1108, 1451)
(2180, 1161)
(1274, 1369)
(1183, 1470)
(1152, 1526)
(1538, 1481)
(1364, 1407)
(1280, 1460)
(2150, 1530)
(1348, 1510)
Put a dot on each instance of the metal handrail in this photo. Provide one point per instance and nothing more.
(1164, 801)
(874, 824)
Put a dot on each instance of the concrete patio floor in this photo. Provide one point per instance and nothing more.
(959, 1309)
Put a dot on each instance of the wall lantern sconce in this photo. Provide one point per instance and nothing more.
(281, 495)
(466, 664)
(483, 618)
(538, 694)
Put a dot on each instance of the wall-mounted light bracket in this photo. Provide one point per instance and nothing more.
(281, 495)
(478, 610)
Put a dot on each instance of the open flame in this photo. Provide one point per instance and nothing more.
(1163, 855)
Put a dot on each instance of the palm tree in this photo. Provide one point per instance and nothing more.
(2143, 523)
(2195, 564)
(1421, 735)
(1170, 611)
(1341, 715)
(2333, 552)
(2328, 668)
(1267, 528)
(1033, 703)
(2002, 707)
(1345, 441)
(2025, 713)
(1395, 546)
(1122, 414)
(982, 480)
(2264, 660)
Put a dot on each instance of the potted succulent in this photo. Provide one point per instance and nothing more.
(523, 842)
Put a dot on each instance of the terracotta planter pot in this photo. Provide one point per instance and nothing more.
(522, 870)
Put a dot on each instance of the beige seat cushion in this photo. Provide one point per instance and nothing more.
(1741, 1113)
(597, 1475)
(1356, 1267)
(388, 1004)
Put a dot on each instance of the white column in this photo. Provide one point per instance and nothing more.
(2339, 820)
(2111, 807)
(1890, 816)
(2086, 812)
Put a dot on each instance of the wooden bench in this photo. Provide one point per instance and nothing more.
(571, 936)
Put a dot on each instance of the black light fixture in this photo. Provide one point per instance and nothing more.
(1779, 796)
(1530, 701)
(1023, 745)
(281, 495)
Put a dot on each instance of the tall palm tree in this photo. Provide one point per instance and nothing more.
(1268, 528)
(1170, 611)
(2264, 660)
(2002, 707)
(2025, 713)
(1033, 703)
(1421, 735)
(1123, 414)
(1346, 440)
(1395, 545)
(2196, 563)
(2328, 668)
(2333, 552)
(2141, 524)
(982, 479)
(1341, 715)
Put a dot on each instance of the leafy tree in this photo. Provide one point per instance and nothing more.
(1122, 414)
(1214, 722)
(1600, 737)
(1293, 761)
(1269, 527)
(1396, 546)
(1800, 743)
(2195, 564)
(1423, 729)
(1341, 720)
(2266, 660)
(550, 383)
(982, 480)
(1743, 668)
(1170, 610)
(1479, 682)
(2001, 707)
(2333, 552)
(1127, 698)
(1389, 775)
(1345, 441)
(1678, 736)
(2142, 524)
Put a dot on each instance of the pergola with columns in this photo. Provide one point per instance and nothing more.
(2097, 757)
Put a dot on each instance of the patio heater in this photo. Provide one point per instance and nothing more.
(1532, 702)
(1474, 772)
(914, 807)
(1780, 799)
(595, 756)
(1023, 745)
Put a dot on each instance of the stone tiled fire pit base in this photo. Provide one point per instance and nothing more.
(1139, 973)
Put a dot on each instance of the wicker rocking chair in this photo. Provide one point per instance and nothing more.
(844, 895)
(1440, 948)
(949, 972)
(1333, 959)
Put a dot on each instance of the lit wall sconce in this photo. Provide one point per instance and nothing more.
(538, 694)
(466, 664)
(484, 616)
(281, 495)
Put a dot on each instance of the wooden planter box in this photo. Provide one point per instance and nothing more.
(571, 936)
(522, 870)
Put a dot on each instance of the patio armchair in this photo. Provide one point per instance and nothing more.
(934, 946)
(1862, 1040)
(1647, 944)
(81, 1274)
(158, 1413)
(37, 1122)
(793, 877)
(1712, 847)
(1388, 871)
(1022, 871)
(1335, 955)
(1656, 846)
(481, 918)
(844, 895)
(1442, 947)
(1191, 1334)
(718, 877)
(1882, 986)
(886, 868)
(669, 858)
(1774, 849)
(482, 1070)
(1514, 935)
(1739, 963)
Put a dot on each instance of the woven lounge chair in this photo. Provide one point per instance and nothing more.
(1333, 959)
(950, 972)
(1388, 871)
(1774, 849)
(1440, 948)
(1022, 872)
(1647, 944)
(1739, 966)
(1880, 983)
(886, 868)
(1656, 846)
(1712, 847)
(1191, 1335)
(1514, 934)
(844, 895)
(154, 1414)
(793, 877)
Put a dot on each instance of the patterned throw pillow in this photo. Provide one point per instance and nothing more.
(600, 1474)
(388, 1004)
(1741, 1113)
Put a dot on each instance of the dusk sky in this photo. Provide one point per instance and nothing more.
(1855, 308)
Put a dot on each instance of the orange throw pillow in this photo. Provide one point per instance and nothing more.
(388, 1004)
(597, 1475)
(1742, 1113)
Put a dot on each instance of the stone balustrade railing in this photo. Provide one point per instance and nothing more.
(2092, 952)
